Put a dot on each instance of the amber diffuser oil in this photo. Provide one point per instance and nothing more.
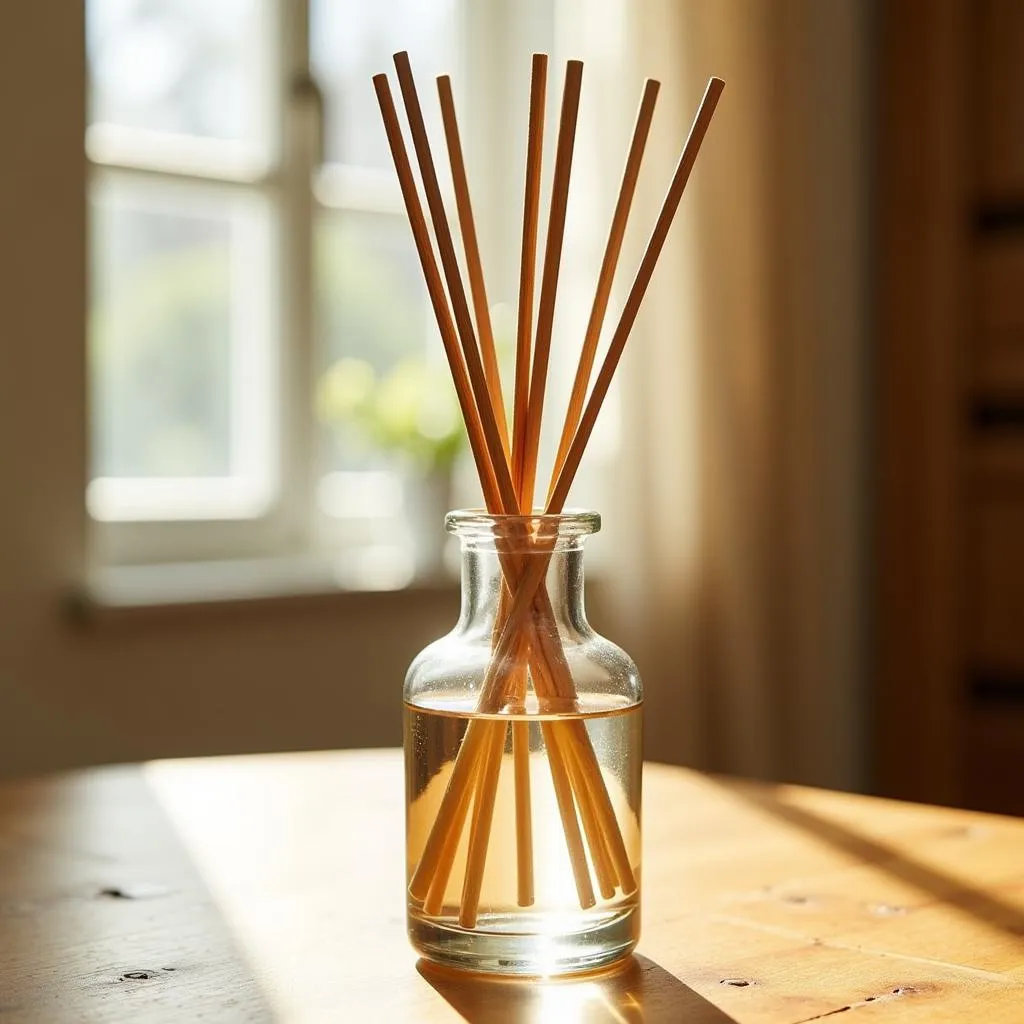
(554, 933)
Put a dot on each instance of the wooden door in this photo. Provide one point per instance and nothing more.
(949, 700)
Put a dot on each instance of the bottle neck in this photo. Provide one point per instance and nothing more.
(484, 572)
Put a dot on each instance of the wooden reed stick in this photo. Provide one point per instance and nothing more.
(474, 265)
(521, 764)
(480, 830)
(528, 263)
(613, 247)
(557, 756)
(469, 376)
(430, 878)
(524, 324)
(552, 681)
(604, 869)
(549, 277)
(604, 810)
(437, 885)
(602, 826)
(524, 811)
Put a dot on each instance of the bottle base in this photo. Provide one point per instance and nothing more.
(506, 944)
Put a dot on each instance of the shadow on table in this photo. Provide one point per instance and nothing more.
(946, 888)
(639, 990)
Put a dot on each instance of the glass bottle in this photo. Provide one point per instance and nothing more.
(523, 763)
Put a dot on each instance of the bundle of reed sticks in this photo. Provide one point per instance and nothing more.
(525, 645)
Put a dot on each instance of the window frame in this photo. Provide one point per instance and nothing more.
(275, 174)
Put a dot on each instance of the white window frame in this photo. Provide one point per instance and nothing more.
(224, 517)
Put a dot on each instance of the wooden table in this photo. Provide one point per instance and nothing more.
(271, 888)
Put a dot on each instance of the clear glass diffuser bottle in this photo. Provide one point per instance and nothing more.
(523, 763)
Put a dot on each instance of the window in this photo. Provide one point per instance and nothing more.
(252, 268)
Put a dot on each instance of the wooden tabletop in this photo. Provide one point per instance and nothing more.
(271, 889)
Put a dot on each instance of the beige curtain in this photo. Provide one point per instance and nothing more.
(739, 522)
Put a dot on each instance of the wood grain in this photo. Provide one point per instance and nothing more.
(762, 905)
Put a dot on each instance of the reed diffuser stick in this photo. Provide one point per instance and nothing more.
(474, 265)
(524, 326)
(549, 278)
(528, 263)
(479, 833)
(616, 234)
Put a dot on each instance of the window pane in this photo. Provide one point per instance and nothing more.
(373, 313)
(352, 40)
(178, 347)
(192, 67)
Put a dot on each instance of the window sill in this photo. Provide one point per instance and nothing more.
(129, 591)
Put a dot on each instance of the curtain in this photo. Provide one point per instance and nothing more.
(738, 517)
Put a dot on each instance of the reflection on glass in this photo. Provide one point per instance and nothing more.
(189, 67)
(350, 41)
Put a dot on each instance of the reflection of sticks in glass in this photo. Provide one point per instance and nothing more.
(525, 641)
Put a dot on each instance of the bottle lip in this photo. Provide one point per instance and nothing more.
(478, 524)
